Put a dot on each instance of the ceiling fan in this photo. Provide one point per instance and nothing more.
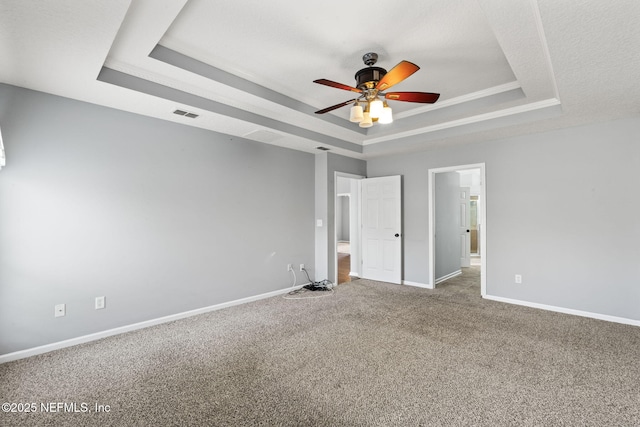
(370, 83)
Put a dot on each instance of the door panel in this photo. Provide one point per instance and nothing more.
(372, 251)
(381, 229)
(389, 250)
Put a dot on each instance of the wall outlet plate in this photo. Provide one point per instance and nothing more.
(518, 278)
(100, 303)
(59, 310)
(301, 267)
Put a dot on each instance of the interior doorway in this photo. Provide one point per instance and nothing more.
(375, 226)
(347, 227)
(343, 236)
(473, 177)
(474, 224)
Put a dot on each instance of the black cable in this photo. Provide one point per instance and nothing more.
(308, 278)
(324, 285)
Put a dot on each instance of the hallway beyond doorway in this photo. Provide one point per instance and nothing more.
(344, 262)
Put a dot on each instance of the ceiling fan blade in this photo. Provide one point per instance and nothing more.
(423, 97)
(337, 85)
(335, 107)
(397, 74)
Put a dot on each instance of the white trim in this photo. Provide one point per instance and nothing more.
(525, 108)
(448, 276)
(416, 284)
(354, 274)
(460, 99)
(483, 220)
(188, 50)
(544, 46)
(9, 357)
(564, 310)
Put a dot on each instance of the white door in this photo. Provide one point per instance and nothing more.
(381, 229)
(465, 233)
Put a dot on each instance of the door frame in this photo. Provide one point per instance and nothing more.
(358, 261)
(483, 221)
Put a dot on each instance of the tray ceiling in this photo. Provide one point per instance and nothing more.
(246, 68)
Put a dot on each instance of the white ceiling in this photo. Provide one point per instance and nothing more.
(247, 67)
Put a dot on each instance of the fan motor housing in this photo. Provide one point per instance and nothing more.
(368, 78)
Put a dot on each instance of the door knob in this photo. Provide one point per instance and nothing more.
(397, 235)
(467, 231)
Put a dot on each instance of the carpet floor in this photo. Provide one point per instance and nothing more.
(372, 354)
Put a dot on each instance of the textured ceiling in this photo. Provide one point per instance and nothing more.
(246, 67)
(285, 53)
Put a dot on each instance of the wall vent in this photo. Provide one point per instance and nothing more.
(186, 114)
(323, 148)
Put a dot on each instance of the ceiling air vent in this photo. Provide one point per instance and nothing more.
(186, 114)
(323, 148)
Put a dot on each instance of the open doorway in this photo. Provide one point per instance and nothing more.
(347, 227)
(457, 201)
(343, 236)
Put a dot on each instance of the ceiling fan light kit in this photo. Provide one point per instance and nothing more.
(370, 82)
(356, 113)
(366, 122)
(386, 116)
(375, 108)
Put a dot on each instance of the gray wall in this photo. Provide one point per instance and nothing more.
(346, 235)
(561, 210)
(447, 223)
(343, 203)
(158, 217)
(342, 218)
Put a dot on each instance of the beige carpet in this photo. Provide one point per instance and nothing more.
(373, 354)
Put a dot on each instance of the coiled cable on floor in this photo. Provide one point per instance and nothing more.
(325, 286)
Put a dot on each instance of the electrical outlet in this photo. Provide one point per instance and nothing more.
(289, 267)
(518, 278)
(301, 267)
(59, 310)
(100, 303)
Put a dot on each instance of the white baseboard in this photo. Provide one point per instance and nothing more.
(416, 284)
(141, 325)
(354, 274)
(598, 316)
(448, 276)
